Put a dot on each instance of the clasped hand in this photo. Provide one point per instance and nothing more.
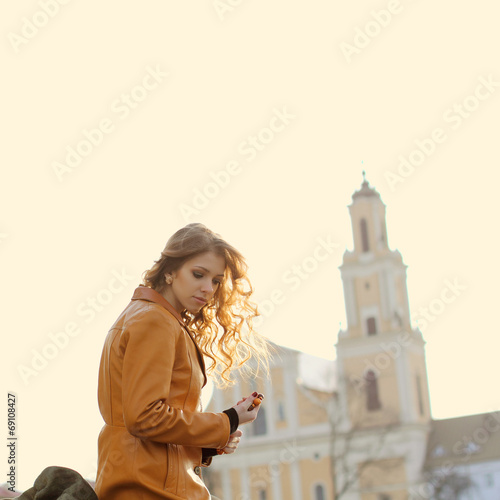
(245, 416)
(234, 441)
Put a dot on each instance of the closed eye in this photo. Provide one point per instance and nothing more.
(200, 275)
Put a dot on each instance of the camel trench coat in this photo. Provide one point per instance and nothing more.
(150, 380)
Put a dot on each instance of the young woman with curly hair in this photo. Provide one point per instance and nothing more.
(194, 303)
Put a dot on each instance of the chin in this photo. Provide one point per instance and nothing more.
(194, 310)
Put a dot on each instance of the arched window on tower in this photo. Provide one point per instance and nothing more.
(319, 492)
(372, 399)
(364, 235)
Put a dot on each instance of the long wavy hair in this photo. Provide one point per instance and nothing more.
(222, 328)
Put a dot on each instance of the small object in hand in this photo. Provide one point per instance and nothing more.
(256, 402)
(220, 452)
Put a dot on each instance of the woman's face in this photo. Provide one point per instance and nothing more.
(195, 282)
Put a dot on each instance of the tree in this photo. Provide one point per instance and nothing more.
(450, 486)
(344, 440)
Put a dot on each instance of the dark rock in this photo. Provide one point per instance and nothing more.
(59, 483)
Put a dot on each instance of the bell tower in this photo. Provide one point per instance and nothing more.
(374, 277)
(383, 390)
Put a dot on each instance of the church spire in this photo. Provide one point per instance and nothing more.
(374, 276)
(368, 220)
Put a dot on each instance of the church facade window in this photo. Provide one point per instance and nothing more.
(281, 411)
(372, 397)
(371, 325)
(259, 425)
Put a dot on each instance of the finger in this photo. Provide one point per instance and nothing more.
(242, 400)
(231, 446)
(251, 397)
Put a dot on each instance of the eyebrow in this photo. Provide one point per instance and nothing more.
(205, 269)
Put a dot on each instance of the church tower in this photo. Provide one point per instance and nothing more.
(383, 391)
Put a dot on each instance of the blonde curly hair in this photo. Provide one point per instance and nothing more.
(222, 328)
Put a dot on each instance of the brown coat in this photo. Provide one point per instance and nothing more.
(150, 380)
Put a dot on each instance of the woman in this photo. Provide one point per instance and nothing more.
(193, 304)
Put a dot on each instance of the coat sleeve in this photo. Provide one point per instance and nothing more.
(150, 350)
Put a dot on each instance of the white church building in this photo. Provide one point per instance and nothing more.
(359, 427)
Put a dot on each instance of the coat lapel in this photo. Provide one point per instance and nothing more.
(145, 293)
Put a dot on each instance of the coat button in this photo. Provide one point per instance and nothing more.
(197, 470)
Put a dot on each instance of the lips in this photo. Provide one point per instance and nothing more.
(200, 300)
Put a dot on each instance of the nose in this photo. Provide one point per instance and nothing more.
(207, 287)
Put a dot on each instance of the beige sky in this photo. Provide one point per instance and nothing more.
(120, 118)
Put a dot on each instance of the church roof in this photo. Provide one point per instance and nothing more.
(464, 440)
(313, 372)
(317, 373)
(366, 190)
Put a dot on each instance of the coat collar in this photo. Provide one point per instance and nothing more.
(145, 293)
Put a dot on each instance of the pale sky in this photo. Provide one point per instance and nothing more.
(117, 117)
